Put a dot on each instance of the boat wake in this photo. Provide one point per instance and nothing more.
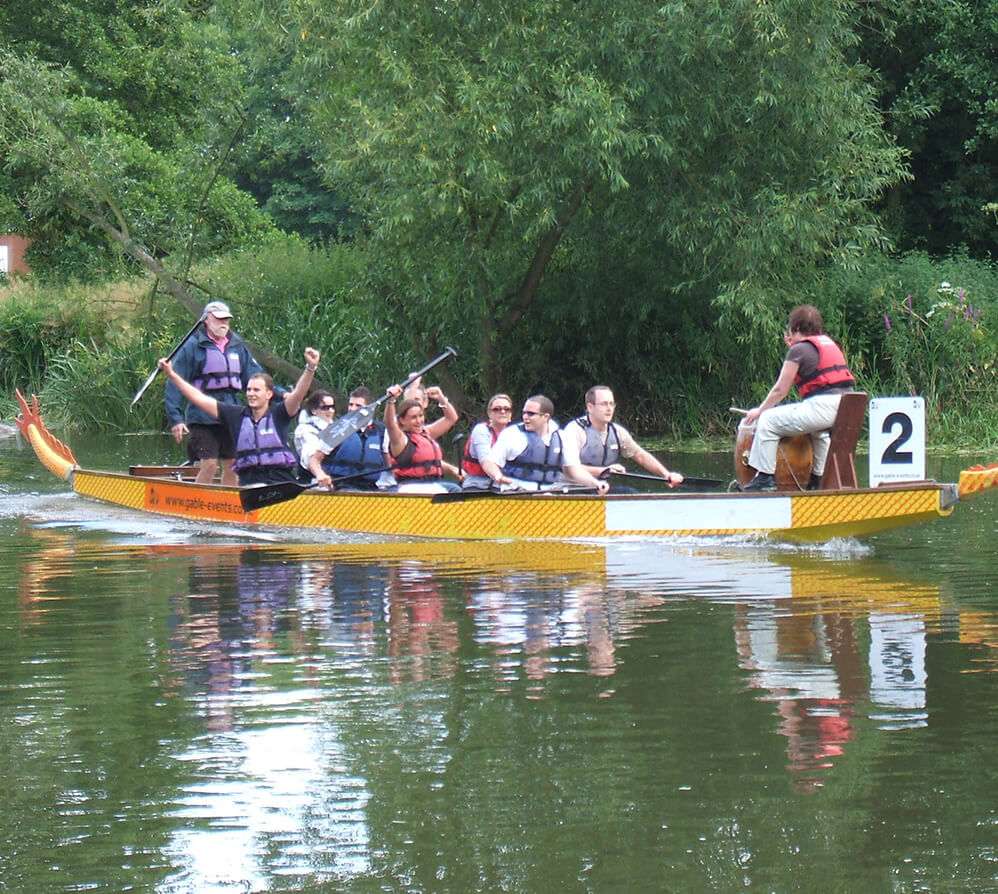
(68, 511)
(836, 548)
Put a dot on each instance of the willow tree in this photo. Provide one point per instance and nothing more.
(725, 144)
(116, 127)
(119, 122)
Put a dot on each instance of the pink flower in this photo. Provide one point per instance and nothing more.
(887, 322)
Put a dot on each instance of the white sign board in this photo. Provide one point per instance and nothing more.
(897, 439)
(4, 259)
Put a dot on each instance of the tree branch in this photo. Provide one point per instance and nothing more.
(175, 288)
(524, 296)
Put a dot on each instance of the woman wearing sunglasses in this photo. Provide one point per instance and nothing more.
(318, 412)
(481, 439)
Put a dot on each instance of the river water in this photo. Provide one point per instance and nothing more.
(194, 709)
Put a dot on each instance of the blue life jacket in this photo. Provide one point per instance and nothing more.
(594, 452)
(538, 462)
(358, 453)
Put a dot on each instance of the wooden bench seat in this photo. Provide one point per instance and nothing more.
(840, 466)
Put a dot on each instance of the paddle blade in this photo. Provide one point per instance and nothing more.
(701, 482)
(142, 390)
(338, 431)
(256, 496)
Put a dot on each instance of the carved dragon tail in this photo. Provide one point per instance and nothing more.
(54, 455)
(976, 479)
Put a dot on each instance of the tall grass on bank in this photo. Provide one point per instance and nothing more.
(87, 351)
(36, 328)
(289, 295)
(909, 325)
(83, 350)
(915, 325)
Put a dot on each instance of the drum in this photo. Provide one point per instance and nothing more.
(793, 459)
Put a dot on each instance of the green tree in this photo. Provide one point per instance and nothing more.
(118, 123)
(498, 149)
(937, 61)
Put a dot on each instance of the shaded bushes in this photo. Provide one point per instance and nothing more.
(910, 325)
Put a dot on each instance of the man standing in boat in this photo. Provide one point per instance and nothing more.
(259, 431)
(218, 363)
(597, 443)
(817, 366)
(529, 455)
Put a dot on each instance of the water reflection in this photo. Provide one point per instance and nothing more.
(827, 646)
(270, 793)
(308, 675)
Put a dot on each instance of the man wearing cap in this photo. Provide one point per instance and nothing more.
(216, 361)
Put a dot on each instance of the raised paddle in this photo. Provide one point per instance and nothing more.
(256, 496)
(337, 432)
(155, 371)
(691, 482)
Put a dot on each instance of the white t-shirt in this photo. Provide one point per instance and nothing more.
(307, 441)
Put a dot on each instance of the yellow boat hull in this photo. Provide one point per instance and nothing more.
(805, 517)
(798, 516)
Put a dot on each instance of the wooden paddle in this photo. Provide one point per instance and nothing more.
(155, 372)
(256, 496)
(337, 432)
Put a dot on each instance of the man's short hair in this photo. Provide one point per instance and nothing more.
(543, 402)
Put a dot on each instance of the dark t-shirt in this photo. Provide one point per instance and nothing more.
(231, 416)
(805, 355)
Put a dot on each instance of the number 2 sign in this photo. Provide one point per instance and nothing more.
(897, 439)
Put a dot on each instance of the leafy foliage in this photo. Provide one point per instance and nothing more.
(916, 325)
(939, 80)
(126, 131)
(720, 148)
(36, 330)
(296, 294)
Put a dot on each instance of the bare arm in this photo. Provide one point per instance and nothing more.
(644, 459)
(492, 469)
(781, 388)
(293, 399)
(443, 425)
(581, 475)
(190, 393)
(396, 437)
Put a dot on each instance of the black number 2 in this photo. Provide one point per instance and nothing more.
(892, 454)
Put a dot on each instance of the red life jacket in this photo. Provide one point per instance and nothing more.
(832, 372)
(419, 460)
(472, 464)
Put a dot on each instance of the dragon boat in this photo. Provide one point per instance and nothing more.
(838, 509)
